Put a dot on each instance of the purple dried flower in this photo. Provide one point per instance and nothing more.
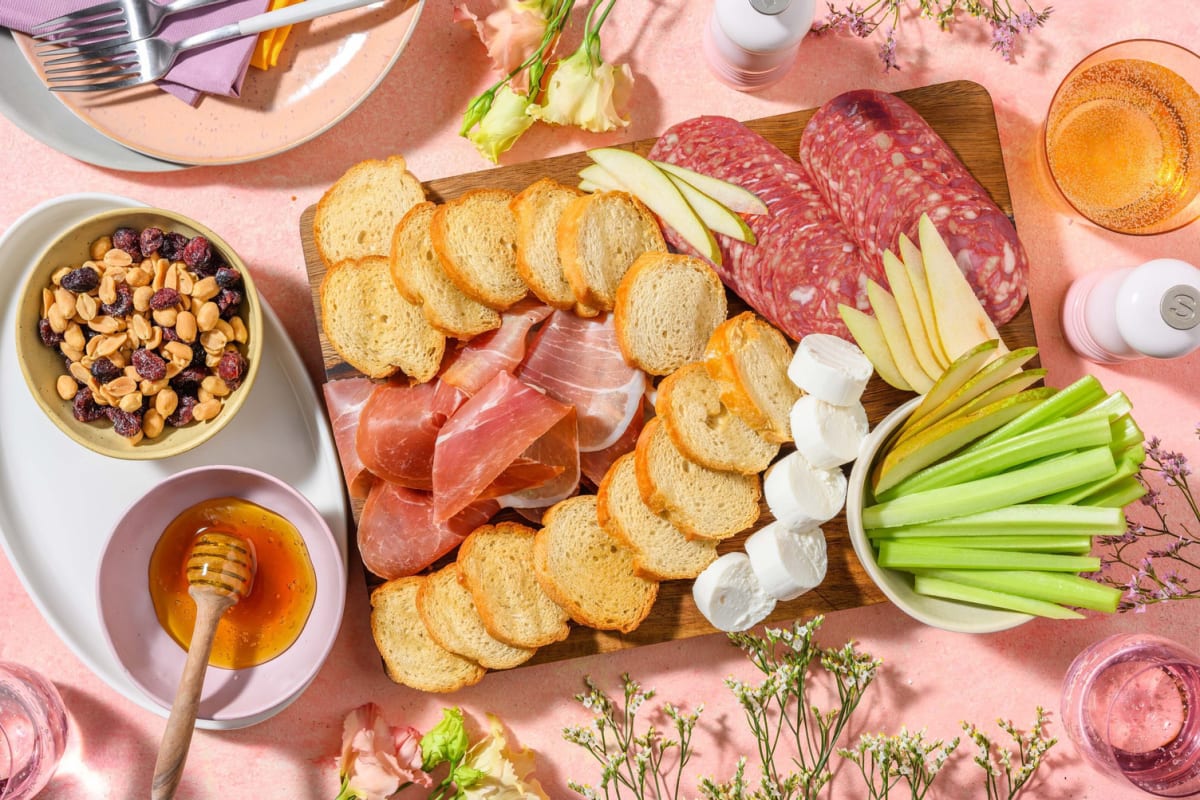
(887, 51)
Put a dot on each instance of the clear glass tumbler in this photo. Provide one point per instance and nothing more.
(33, 731)
(1131, 705)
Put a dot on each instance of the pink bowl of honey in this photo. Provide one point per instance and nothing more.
(270, 645)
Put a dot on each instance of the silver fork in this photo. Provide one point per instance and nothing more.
(145, 60)
(109, 23)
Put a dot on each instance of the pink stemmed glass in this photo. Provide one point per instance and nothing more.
(33, 731)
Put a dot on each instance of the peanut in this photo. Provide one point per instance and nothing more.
(66, 387)
(79, 372)
(141, 298)
(166, 317)
(104, 324)
(73, 336)
(108, 289)
(205, 289)
(208, 316)
(166, 401)
(119, 387)
(215, 386)
(117, 258)
(185, 326)
(206, 410)
(240, 334)
(152, 423)
(131, 402)
(100, 247)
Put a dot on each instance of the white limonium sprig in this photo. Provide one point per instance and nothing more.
(1001, 780)
(886, 761)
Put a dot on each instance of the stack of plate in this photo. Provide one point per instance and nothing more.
(327, 69)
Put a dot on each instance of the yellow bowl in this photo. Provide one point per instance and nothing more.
(42, 365)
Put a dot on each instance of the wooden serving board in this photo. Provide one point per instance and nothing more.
(961, 112)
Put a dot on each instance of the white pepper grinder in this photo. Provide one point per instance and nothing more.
(1148, 311)
(751, 44)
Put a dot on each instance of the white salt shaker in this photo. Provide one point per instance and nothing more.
(1149, 311)
(751, 44)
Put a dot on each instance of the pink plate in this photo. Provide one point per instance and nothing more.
(328, 67)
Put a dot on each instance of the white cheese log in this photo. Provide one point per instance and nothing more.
(830, 368)
(729, 596)
(801, 495)
(828, 435)
(787, 562)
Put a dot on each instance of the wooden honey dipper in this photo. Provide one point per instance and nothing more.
(220, 572)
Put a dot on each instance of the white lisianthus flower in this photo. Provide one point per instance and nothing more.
(588, 95)
(502, 125)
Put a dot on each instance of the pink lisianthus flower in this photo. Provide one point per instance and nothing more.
(377, 760)
(511, 33)
(589, 94)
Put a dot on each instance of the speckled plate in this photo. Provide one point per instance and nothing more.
(328, 67)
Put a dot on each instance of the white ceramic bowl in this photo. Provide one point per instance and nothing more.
(950, 615)
(148, 655)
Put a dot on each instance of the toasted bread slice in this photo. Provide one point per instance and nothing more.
(599, 237)
(661, 551)
(703, 503)
(372, 327)
(667, 307)
(748, 358)
(450, 616)
(357, 214)
(688, 402)
(587, 571)
(475, 236)
(418, 274)
(495, 562)
(409, 654)
(538, 209)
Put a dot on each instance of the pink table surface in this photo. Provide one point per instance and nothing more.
(930, 678)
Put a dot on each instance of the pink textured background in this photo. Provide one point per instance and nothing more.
(930, 678)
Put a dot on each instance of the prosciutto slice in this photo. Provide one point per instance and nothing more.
(398, 535)
(578, 362)
(399, 427)
(557, 449)
(487, 434)
(344, 400)
(594, 465)
(501, 350)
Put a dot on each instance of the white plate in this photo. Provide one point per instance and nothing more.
(58, 501)
(27, 102)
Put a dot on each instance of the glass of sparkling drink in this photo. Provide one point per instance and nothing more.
(1131, 705)
(33, 731)
(1122, 137)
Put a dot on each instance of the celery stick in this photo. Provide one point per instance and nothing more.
(936, 587)
(1053, 587)
(1125, 433)
(1129, 464)
(1020, 520)
(1119, 495)
(1111, 406)
(996, 491)
(1079, 395)
(1077, 544)
(1057, 437)
(903, 555)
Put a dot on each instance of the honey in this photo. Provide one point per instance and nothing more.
(267, 621)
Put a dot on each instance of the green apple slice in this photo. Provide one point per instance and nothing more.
(961, 321)
(884, 306)
(599, 178)
(958, 373)
(869, 338)
(716, 215)
(915, 267)
(910, 314)
(949, 435)
(1009, 386)
(730, 195)
(652, 186)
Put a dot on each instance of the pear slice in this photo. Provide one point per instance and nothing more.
(991, 374)
(716, 215)
(961, 321)
(915, 268)
(1007, 387)
(886, 311)
(652, 186)
(730, 195)
(869, 337)
(599, 178)
(940, 440)
(910, 314)
(958, 373)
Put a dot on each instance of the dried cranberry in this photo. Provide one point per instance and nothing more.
(189, 380)
(228, 278)
(48, 335)
(229, 301)
(84, 406)
(128, 424)
(172, 246)
(127, 239)
(105, 370)
(123, 305)
(81, 280)
(198, 253)
(150, 240)
(164, 298)
(170, 334)
(199, 356)
(231, 367)
(149, 364)
(183, 412)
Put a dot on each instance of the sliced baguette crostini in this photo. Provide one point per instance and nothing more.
(357, 214)
(538, 209)
(748, 358)
(475, 236)
(449, 613)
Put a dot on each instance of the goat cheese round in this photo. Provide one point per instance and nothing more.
(729, 596)
(787, 562)
(800, 495)
(828, 435)
(830, 368)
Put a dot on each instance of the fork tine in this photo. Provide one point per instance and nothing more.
(88, 70)
(66, 35)
(95, 40)
(100, 87)
(94, 65)
(74, 16)
(97, 54)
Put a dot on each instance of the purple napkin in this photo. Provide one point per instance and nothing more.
(218, 69)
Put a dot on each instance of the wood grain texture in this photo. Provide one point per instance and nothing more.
(962, 113)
